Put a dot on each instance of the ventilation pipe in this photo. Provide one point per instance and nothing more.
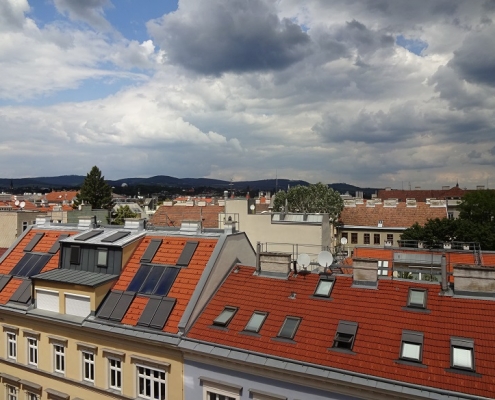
(258, 251)
(443, 267)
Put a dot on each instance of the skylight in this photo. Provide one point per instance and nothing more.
(324, 287)
(289, 327)
(462, 353)
(225, 316)
(345, 335)
(411, 346)
(417, 298)
(256, 321)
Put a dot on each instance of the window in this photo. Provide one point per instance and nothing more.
(11, 393)
(345, 235)
(12, 345)
(366, 238)
(32, 396)
(256, 321)
(345, 335)
(88, 366)
(450, 215)
(417, 298)
(324, 287)
(390, 238)
(225, 316)
(354, 238)
(289, 327)
(47, 300)
(102, 258)
(151, 383)
(59, 358)
(115, 373)
(411, 346)
(24, 225)
(462, 353)
(75, 254)
(32, 351)
(77, 305)
(376, 238)
(382, 268)
(217, 396)
(218, 390)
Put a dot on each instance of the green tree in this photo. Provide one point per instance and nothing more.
(317, 198)
(122, 213)
(95, 191)
(478, 206)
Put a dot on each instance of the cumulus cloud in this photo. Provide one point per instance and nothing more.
(12, 14)
(89, 11)
(229, 35)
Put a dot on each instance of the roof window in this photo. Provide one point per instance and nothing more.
(289, 327)
(75, 255)
(462, 353)
(324, 287)
(411, 346)
(256, 321)
(225, 316)
(102, 257)
(345, 335)
(417, 298)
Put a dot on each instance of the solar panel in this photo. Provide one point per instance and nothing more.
(89, 235)
(21, 264)
(4, 279)
(34, 267)
(151, 280)
(187, 253)
(109, 305)
(122, 306)
(151, 250)
(56, 245)
(34, 241)
(149, 311)
(139, 278)
(166, 281)
(23, 292)
(116, 236)
(162, 313)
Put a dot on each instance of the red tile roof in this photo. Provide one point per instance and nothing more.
(174, 215)
(422, 195)
(60, 197)
(184, 284)
(9, 290)
(400, 216)
(381, 318)
(2, 250)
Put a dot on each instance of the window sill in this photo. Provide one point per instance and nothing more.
(249, 333)
(417, 309)
(341, 350)
(411, 363)
(220, 328)
(325, 298)
(284, 340)
(463, 372)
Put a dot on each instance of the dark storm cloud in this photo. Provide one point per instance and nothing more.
(474, 61)
(230, 35)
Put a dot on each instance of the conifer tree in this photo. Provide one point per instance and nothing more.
(95, 191)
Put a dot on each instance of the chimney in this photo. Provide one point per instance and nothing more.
(86, 223)
(474, 280)
(273, 264)
(190, 227)
(365, 272)
(43, 221)
(229, 226)
(136, 224)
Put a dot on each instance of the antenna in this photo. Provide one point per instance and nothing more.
(343, 240)
(303, 260)
(16, 202)
(22, 204)
(325, 258)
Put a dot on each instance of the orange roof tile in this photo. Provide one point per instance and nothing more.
(61, 196)
(400, 216)
(422, 195)
(174, 215)
(9, 290)
(381, 318)
(135, 310)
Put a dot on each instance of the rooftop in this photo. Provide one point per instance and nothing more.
(175, 215)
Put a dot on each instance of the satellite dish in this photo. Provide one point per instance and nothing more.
(22, 204)
(252, 207)
(343, 240)
(303, 260)
(16, 202)
(325, 258)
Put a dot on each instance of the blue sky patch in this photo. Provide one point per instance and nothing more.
(415, 46)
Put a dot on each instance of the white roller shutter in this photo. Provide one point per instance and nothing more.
(77, 305)
(47, 300)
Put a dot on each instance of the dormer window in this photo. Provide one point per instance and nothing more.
(324, 287)
(256, 321)
(411, 346)
(75, 255)
(225, 316)
(345, 335)
(462, 353)
(102, 257)
(417, 298)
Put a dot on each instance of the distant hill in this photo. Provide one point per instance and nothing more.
(70, 181)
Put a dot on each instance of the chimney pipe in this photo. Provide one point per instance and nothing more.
(258, 251)
(443, 266)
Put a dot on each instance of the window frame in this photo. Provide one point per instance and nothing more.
(260, 324)
(32, 396)
(324, 279)
(219, 388)
(366, 238)
(462, 344)
(152, 380)
(377, 238)
(88, 366)
(73, 260)
(32, 350)
(412, 338)
(11, 345)
(382, 267)
(417, 305)
(294, 330)
(224, 323)
(118, 373)
(59, 358)
(345, 335)
(390, 237)
(101, 250)
(12, 392)
(354, 238)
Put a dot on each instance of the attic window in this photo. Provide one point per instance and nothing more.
(324, 287)
(289, 327)
(75, 254)
(256, 321)
(225, 316)
(411, 346)
(102, 258)
(462, 353)
(345, 335)
(417, 298)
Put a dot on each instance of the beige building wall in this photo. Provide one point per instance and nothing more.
(259, 228)
(360, 234)
(13, 223)
(76, 339)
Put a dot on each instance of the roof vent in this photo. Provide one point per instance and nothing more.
(370, 203)
(380, 223)
(190, 227)
(350, 203)
(447, 245)
(87, 223)
(390, 203)
(437, 203)
(135, 224)
(388, 243)
(410, 202)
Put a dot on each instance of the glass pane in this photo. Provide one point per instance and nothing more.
(462, 357)
(417, 297)
(289, 328)
(255, 322)
(324, 288)
(411, 350)
(102, 257)
(224, 317)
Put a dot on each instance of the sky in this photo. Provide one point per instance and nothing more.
(373, 93)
